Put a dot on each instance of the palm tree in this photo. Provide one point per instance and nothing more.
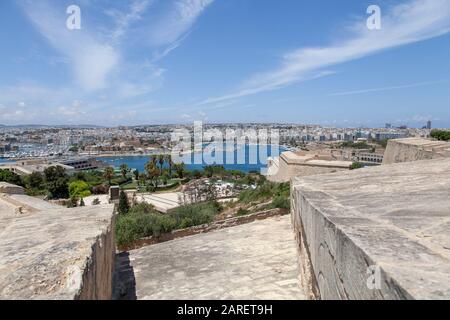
(154, 159)
(152, 172)
(170, 163)
(161, 161)
(124, 170)
(142, 178)
(109, 174)
(180, 168)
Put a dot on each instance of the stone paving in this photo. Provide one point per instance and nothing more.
(252, 261)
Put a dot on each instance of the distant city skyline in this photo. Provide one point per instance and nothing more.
(147, 62)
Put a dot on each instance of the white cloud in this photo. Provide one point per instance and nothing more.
(9, 114)
(91, 59)
(125, 19)
(174, 24)
(169, 31)
(403, 24)
(405, 86)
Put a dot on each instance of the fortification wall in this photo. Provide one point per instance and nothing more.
(54, 253)
(375, 233)
(413, 149)
(97, 283)
(282, 169)
(10, 188)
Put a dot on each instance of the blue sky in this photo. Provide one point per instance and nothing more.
(176, 61)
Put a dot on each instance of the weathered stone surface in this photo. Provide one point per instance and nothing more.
(289, 164)
(394, 217)
(252, 261)
(10, 188)
(50, 252)
(413, 149)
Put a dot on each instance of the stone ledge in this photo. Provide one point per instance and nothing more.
(55, 253)
(8, 188)
(393, 217)
(414, 149)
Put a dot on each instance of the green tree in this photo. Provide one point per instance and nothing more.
(170, 163)
(10, 177)
(57, 182)
(142, 178)
(161, 161)
(197, 174)
(35, 180)
(124, 205)
(108, 174)
(441, 135)
(136, 174)
(154, 159)
(79, 189)
(152, 173)
(124, 170)
(180, 170)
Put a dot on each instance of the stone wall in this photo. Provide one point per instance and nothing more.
(10, 188)
(53, 253)
(375, 233)
(414, 149)
(283, 168)
(97, 283)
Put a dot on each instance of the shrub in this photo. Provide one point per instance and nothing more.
(101, 189)
(441, 135)
(142, 207)
(79, 189)
(356, 165)
(264, 192)
(35, 180)
(10, 177)
(124, 205)
(137, 225)
(195, 214)
(281, 203)
(143, 220)
(242, 212)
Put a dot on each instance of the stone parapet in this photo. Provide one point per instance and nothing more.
(375, 233)
(414, 149)
(54, 253)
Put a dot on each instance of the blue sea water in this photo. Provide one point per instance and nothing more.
(3, 160)
(253, 161)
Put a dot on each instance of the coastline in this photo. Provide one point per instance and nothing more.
(4, 160)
